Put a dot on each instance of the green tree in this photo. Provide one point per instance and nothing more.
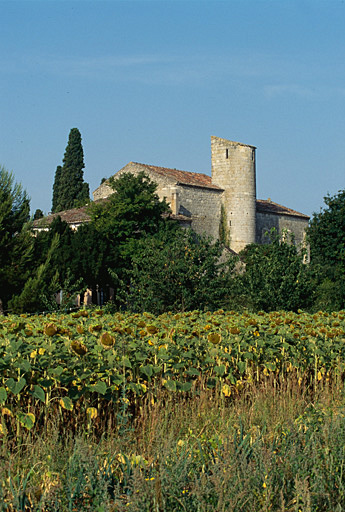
(326, 232)
(56, 189)
(38, 214)
(177, 270)
(131, 213)
(70, 190)
(15, 237)
(326, 236)
(133, 210)
(36, 293)
(100, 251)
(62, 260)
(92, 256)
(275, 276)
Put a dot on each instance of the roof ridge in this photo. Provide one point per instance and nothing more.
(171, 169)
(284, 209)
(189, 178)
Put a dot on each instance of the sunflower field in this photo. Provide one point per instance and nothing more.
(94, 363)
(207, 411)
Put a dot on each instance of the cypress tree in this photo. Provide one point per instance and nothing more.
(56, 188)
(71, 191)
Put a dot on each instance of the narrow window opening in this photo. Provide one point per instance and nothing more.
(226, 153)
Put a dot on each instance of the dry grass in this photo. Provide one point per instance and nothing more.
(273, 447)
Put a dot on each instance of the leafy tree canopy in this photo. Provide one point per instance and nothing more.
(133, 210)
(117, 223)
(38, 214)
(275, 276)
(15, 237)
(326, 236)
(326, 233)
(177, 270)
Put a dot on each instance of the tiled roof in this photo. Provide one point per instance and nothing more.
(73, 216)
(179, 217)
(194, 179)
(267, 206)
(80, 215)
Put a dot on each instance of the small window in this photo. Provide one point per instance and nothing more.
(226, 153)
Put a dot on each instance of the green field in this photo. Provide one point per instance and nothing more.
(180, 412)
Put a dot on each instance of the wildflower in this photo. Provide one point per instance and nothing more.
(91, 412)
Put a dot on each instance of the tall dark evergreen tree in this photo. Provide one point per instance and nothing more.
(56, 189)
(69, 188)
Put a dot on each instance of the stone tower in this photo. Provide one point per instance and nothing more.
(233, 169)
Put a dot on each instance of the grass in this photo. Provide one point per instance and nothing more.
(276, 447)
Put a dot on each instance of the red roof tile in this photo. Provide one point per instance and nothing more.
(194, 179)
(267, 206)
(73, 216)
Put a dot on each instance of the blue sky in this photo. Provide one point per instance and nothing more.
(151, 81)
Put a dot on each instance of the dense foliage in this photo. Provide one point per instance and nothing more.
(132, 247)
(93, 359)
(169, 403)
(276, 276)
(122, 412)
(15, 237)
(326, 235)
(178, 270)
(69, 189)
(56, 189)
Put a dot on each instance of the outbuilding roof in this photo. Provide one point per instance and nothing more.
(77, 216)
(73, 216)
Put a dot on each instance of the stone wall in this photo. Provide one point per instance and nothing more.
(163, 184)
(200, 204)
(203, 206)
(233, 169)
(266, 221)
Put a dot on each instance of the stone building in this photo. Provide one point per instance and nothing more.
(224, 202)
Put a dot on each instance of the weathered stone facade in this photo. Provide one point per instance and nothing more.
(233, 169)
(289, 222)
(228, 198)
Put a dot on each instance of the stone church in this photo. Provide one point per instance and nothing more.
(224, 202)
